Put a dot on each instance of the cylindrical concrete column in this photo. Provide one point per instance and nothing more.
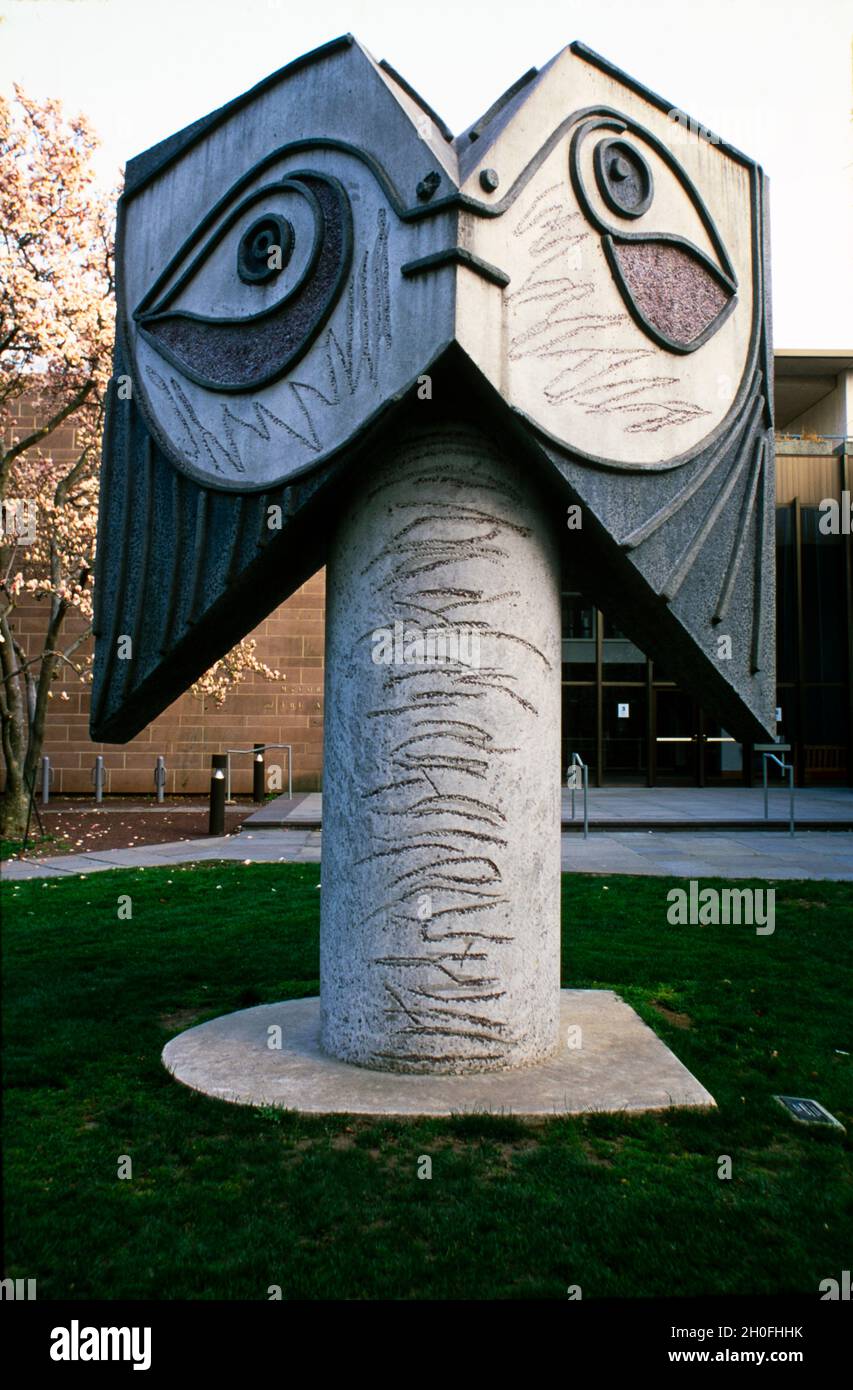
(440, 935)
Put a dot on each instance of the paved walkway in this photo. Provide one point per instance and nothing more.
(723, 854)
(638, 808)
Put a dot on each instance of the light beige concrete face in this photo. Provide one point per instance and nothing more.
(575, 361)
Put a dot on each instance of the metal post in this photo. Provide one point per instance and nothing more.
(784, 768)
(578, 762)
(216, 822)
(160, 777)
(258, 774)
(227, 776)
(290, 771)
(98, 777)
(46, 779)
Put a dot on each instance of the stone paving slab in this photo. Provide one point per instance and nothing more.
(287, 811)
(734, 854)
(704, 804)
(18, 873)
(620, 1065)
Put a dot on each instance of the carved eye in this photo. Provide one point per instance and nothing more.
(675, 275)
(623, 177)
(265, 249)
(241, 311)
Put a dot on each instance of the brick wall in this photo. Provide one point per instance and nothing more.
(188, 732)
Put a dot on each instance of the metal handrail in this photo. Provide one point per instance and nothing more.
(785, 767)
(261, 748)
(577, 761)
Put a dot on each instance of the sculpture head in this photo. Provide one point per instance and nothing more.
(290, 269)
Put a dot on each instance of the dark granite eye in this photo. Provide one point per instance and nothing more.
(673, 289)
(624, 178)
(264, 249)
(239, 351)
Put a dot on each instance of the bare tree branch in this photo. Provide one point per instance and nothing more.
(58, 655)
(41, 433)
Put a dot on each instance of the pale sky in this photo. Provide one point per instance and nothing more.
(773, 77)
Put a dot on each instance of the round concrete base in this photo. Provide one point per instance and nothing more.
(270, 1055)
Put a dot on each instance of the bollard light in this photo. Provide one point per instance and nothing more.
(258, 773)
(216, 821)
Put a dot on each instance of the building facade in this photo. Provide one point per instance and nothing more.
(621, 712)
(633, 725)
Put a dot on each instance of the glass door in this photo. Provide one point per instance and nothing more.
(676, 733)
(578, 733)
(723, 756)
(624, 713)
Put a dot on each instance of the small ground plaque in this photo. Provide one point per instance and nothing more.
(808, 1112)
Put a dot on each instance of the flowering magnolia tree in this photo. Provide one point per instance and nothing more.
(56, 334)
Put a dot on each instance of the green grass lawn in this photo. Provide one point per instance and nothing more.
(225, 1201)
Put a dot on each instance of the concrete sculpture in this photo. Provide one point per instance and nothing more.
(352, 339)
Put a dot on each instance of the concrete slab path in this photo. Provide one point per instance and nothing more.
(724, 854)
(690, 808)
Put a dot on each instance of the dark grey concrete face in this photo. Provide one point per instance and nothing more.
(440, 934)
